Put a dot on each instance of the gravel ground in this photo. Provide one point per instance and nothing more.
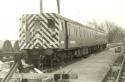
(4, 66)
(93, 68)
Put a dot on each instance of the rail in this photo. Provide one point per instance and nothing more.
(115, 72)
(11, 72)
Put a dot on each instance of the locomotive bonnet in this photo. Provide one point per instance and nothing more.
(39, 31)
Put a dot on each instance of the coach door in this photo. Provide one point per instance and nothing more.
(62, 34)
(66, 35)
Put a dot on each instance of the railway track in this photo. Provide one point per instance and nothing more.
(117, 71)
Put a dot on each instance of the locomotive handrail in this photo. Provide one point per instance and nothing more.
(9, 53)
(12, 53)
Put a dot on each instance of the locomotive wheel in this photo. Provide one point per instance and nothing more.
(61, 58)
(70, 55)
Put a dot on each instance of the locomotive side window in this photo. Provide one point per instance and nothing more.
(23, 25)
(51, 23)
(62, 26)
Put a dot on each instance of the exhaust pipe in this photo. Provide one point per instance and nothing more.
(58, 6)
(41, 6)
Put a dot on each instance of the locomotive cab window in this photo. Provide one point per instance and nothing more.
(51, 23)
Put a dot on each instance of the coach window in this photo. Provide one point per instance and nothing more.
(90, 34)
(69, 31)
(51, 23)
(80, 33)
(87, 34)
(76, 31)
(83, 33)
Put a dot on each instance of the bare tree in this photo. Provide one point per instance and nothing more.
(114, 32)
(95, 25)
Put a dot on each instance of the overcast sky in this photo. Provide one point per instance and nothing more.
(79, 10)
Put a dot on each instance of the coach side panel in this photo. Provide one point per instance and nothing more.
(80, 36)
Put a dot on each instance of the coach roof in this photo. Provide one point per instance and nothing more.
(69, 20)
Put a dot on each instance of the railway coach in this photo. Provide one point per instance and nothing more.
(50, 39)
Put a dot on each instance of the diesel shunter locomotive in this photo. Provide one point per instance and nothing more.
(50, 39)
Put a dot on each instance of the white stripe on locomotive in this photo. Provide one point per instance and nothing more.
(38, 41)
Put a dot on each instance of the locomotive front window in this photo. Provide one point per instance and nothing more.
(51, 23)
(37, 25)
